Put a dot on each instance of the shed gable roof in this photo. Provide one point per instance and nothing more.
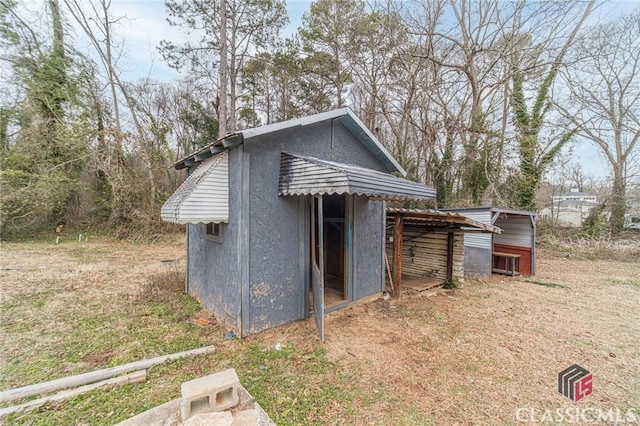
(343, 115)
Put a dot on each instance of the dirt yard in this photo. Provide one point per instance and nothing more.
(487, 353)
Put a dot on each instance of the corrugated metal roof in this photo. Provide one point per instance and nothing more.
(345, 115)
(204, 196)
(440, 219)
(312, 176)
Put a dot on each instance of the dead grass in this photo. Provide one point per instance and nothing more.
(163, 285)
(469, 356)
(573, 242)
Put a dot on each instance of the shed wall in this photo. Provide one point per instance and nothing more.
(278, 285)
(213, 265)
(368, 240)
(516, 230)
(518, 238)
(480, 240)
(477, 247)
(525, 257)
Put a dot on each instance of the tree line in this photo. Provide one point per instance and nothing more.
(477, 99)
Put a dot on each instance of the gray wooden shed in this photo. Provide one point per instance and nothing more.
(518, 237)
(278, 212)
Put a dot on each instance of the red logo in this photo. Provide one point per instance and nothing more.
(575, 382)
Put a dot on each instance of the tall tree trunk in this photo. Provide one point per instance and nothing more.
(224, 71)
(618, 200)
(534, 158)
(110, 74)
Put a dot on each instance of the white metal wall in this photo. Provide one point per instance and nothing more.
(204, 196)
(516, 230)
(479, 240)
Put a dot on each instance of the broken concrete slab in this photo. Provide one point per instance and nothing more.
(246, 418)
(168, 414)
(216, 418)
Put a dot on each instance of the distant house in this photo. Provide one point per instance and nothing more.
(570, 209)
(632, 218)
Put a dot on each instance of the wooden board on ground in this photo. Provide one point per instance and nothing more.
(420, 283)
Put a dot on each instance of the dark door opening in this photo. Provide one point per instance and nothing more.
(333, 228)
(335, 209)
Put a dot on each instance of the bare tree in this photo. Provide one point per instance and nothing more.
(603, 105)
(539, 66)
(230, 32)
(97, 25)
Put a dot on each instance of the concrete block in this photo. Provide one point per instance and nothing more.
(215, 392)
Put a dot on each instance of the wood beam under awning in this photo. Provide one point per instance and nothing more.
(398, 225)
(450, 236)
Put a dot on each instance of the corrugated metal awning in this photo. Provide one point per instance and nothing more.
(439, 219)
(204, 196)
(312, 176)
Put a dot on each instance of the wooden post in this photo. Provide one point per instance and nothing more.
(398, 224)
(450, 236)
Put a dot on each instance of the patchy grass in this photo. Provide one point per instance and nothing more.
(469, 357)
(543, 283)
(69, 310)
(629, 282)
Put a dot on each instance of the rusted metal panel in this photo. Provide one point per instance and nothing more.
(442, 219)
(424, 254)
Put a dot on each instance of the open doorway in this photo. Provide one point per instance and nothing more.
(333, 227)
(335, 209)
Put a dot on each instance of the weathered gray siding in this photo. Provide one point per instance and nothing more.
(213, 266)
(368, 238)
(477, 262)
(478, 239)
(477, 246)
(277, 283)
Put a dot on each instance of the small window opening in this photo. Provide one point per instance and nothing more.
(213, 229)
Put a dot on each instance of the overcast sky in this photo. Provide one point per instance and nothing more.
(146, 26)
